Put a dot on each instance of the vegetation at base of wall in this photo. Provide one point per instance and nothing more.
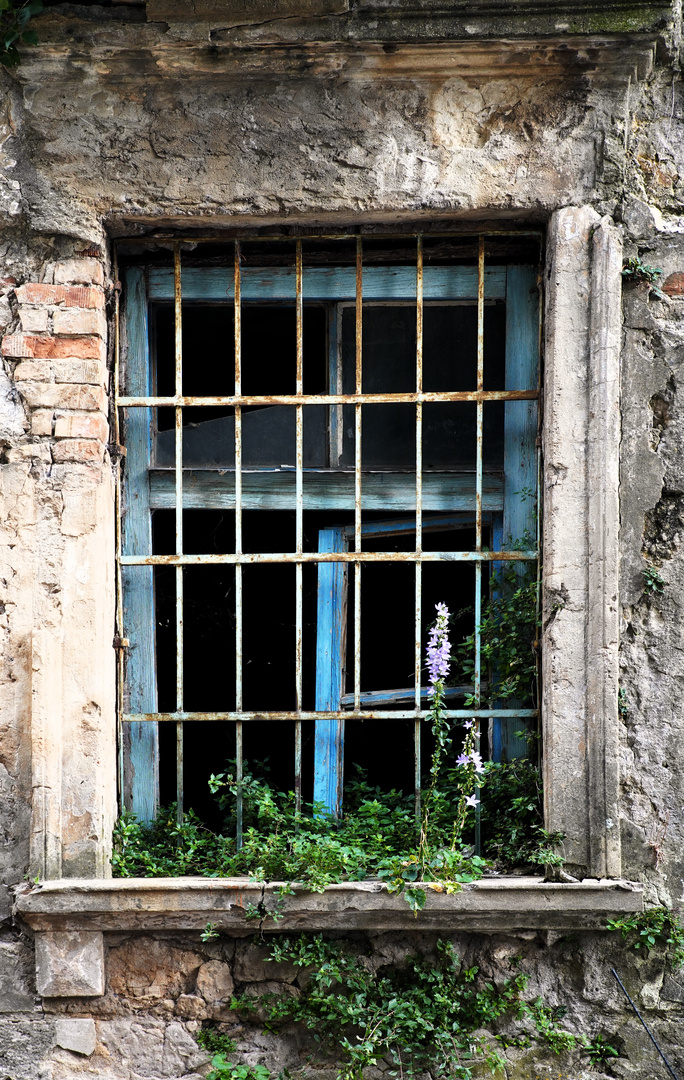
(13, 32)
(422, 1015)
(655, 928)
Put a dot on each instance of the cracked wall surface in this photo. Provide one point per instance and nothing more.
(126, 120)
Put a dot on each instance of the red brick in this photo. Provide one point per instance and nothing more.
(81, 271)
(70, 295)
(85, 425)
(54, 348)
(83, 450)
(674, 285)
(65, 396)
(93, 372)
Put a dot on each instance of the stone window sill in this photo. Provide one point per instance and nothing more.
(493, 903)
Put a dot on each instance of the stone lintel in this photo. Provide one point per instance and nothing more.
(492, 904)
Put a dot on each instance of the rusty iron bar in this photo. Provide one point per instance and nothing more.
(237, 359)
(234, 400)
(358, 465)
(324, 556)
(178, 345)
(299, 519)
(417, 763)
(340, 714)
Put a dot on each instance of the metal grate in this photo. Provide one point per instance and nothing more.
(356, 557)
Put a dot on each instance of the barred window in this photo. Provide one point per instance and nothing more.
(326, 436)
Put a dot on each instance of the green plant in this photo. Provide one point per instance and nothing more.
(652, 929)
(419, 1016)
(653, 582)
(623, 706)
(214, 1041)
(600, 1050)
(13, 20)
(222, 1069)
(209, 933)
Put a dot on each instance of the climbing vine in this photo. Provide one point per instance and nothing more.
(13, 28)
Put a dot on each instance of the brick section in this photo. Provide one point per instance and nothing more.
(34, 320)
(33, 371)
(85, 425)
(79, 321)
(69, 396)
(71, 296)
(50, 348)
(81, 450)
(80, 371)
(674, 285)
(41, 421)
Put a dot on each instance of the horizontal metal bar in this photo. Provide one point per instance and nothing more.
(325, 557)
(379, 697)
(349, 714)
(126, 402)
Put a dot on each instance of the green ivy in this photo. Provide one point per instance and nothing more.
(13, 20)
(653, 929)
(421, 1016)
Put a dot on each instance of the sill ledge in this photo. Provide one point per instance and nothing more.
(491, 904)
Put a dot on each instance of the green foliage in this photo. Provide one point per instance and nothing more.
(214, 1041)
(635, 271)
(623, 706)
(653, 929)
(653, 582)
(420, 1016)
(210, 932)
(13, 20)
(222, 1069)
(508, 632)
(600, 1050)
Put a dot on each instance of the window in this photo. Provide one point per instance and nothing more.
(325, 436)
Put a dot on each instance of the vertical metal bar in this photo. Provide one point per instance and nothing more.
(179, 525)
(299, 516)
(478, 504)
(357, 473)
(419, 523)
(237, 320)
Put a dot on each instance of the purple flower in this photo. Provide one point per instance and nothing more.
(439, 649)
(471, 801)
(463, 759)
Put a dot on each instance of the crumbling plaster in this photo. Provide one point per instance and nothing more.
(116, 125)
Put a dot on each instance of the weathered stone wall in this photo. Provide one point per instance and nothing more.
(121, 125)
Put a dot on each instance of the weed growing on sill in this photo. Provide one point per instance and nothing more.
(656, 928)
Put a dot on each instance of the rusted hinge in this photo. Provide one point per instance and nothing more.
(120, 642)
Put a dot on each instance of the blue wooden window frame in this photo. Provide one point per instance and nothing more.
(501, 507)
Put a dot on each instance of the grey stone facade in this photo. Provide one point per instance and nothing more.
(131, 120)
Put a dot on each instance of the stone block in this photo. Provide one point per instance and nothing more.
(76, 1035)
(192, 1007)
(17, 993)
(83, 450)
(252, 965)
(70, 964)
(215, 982)
(90, 372)
(79, 272)
(33, 371)
(69, 396)
(82, 425)
(34, 320)
(42, 421)
(79, 321)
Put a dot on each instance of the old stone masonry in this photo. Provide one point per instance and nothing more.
(210, 210)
